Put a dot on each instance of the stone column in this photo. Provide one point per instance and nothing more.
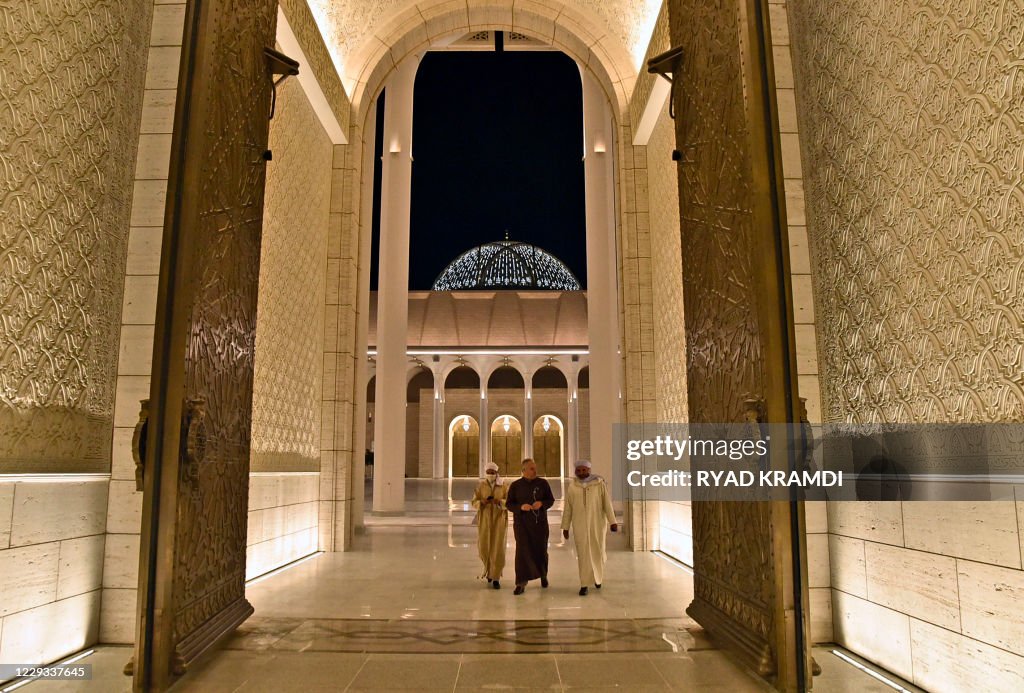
(571, 431)
(393, 293)
(440, 466)
(528, 416)
(362, 369)
(602, 298)
(485, 428)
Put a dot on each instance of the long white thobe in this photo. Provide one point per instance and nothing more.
(587, 513)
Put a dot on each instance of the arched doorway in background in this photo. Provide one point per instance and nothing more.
(549, 446)
(463, 447)
(507, 445)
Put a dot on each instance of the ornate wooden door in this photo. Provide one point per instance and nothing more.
(192, 559)
(749, 574)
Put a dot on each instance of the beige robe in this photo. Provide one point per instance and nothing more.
(491, 527)
(587, 513)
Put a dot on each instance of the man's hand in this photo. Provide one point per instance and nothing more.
(537, 505)
(615, 527)
(565, 534)
(525, 507)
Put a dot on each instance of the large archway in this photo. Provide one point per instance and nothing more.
(603, 148)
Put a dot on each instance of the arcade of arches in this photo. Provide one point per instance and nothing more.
(807, 202)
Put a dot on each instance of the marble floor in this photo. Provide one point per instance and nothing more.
(405, 610)
(312, 671)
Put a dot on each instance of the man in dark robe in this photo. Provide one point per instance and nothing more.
(528, 500)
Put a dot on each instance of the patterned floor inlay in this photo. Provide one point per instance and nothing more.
(416, 636)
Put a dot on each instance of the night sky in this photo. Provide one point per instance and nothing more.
(497, 144)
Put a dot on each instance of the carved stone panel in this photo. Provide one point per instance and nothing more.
(914, 119)
(290, 325)
(70, 102)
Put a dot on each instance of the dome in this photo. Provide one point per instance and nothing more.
(506, 265)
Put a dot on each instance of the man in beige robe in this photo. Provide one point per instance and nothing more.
(588, 513)
(491, 523)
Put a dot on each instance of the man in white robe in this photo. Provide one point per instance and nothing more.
(588, 513)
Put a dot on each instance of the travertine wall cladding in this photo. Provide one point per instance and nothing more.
(290, 322)
(70, 102)
(913, 114)
(282, 520)
(51, 567)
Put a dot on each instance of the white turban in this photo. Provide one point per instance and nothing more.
(583, 463)
(489, 466)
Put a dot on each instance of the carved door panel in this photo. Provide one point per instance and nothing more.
(192, 559)
(749, 589)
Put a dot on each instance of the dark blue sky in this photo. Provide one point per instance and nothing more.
(497, 144)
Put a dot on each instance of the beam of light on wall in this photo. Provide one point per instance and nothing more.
(25, 681)
(321, 11)
(278, 571)
(871, 672)
(310, 86)
(645, 22)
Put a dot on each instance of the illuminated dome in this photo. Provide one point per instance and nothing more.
(506, 265)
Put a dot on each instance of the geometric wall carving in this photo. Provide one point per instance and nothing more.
(287, 382)
(912, 119)
(349, 24)
(71, 80)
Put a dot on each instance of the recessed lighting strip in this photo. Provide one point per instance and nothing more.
(672, 561)
(286, 566)
(492, 352)
(55, 478)
(870, 672)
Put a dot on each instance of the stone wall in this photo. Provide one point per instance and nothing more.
(912, 119)
(283, 519)
(288, 377)
(288, 367)
(72, 98)
(51, 566)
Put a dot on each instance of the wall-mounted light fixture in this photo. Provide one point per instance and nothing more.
(667, 65)
(278, 64)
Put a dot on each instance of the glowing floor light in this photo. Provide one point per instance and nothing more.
(870, 672)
